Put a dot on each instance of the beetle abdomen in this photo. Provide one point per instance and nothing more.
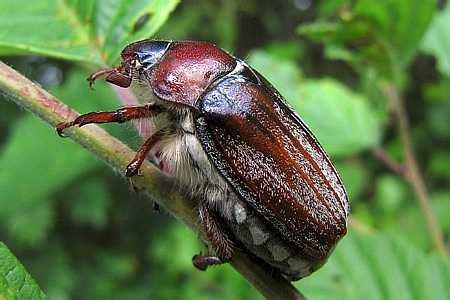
(263, 240)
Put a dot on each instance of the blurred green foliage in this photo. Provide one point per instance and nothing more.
(82, 233)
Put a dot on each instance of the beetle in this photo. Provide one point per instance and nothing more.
(261, 180)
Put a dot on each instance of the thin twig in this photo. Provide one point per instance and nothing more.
(360, 227)
(383, 156)
(412, 170)
(153, 182)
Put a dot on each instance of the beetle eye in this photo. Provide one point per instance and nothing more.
(127, 66)
(150, 53)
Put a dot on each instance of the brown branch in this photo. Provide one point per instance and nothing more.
(153, 182)
(412, 173)
(383, 156)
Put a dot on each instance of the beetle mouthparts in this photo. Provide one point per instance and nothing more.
(96, 75)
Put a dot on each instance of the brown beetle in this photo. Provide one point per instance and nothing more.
(262, 180)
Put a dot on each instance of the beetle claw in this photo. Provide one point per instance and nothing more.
(131, 171)
(61, 127)
(203, 262)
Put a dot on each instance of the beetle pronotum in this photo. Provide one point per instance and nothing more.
(261, 178)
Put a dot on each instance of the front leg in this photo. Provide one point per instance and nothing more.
(119, 116)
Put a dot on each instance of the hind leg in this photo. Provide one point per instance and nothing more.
(218, 238)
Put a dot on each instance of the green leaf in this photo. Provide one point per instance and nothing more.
(89, 203)
(355, 176)
(438, 119)
(38, 163)
(392, 193)
(401, 23)
(87, 31)
(342, 120)
(439, 164)
(192, 283)
(43, 27)
(283, 74)
(411, 224)
(53, 266)
(36, 172)
(382, 33)
(75, 92)
(15, 282)
(378, 267)
(437, 40)
(439, 91)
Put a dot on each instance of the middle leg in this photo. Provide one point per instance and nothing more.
(134, 166)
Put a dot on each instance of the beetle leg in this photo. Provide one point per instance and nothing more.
(202, 262)
(133, 167)
(156, 208)
(218, 238)
(119, 116)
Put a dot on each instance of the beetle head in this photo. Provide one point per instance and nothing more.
(145, 53)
